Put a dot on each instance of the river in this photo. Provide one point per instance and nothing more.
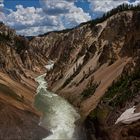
(58, 115)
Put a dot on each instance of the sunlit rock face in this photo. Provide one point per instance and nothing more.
(19, 119)
(90, 55)
(87, 60)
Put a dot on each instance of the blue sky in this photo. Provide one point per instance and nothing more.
(33, 17)
(10, 4)
(26, 3)
(84, 4)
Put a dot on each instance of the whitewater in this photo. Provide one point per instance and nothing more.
(58, 115)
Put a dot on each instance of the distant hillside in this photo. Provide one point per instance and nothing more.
(96, 69)
(88, 60)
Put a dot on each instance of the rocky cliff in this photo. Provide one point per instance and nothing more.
(18, 118)
(91, 56)
(89, 62)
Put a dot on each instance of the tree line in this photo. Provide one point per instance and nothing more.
(120, 8)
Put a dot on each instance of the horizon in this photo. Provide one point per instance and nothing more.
(70, 69)
(36, 17)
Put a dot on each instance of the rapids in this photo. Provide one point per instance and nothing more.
(58, 115)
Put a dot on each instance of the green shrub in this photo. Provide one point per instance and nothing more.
(123, 90)
(120, 8)
(77, 70)
(89, 91)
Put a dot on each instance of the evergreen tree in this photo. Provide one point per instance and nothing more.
(120, 8)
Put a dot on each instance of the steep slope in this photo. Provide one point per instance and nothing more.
(91, 55)
(16, 124)
(122, 95)
(18, 118)
(87, 61)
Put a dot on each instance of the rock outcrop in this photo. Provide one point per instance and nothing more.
(91, 55)
(18, 118)
(89, 61)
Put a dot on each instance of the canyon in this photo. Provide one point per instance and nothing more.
(96, 69)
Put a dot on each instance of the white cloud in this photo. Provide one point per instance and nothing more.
(56, 6)
(106, 5)
(1, 5)
(54, 15)
(1, 10)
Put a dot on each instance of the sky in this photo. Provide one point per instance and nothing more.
(33, 17)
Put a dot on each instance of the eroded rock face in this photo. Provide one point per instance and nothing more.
(18, 118)
(87, 60)
(98, 131)
(121, 96)
(16, 124)
(90, 55)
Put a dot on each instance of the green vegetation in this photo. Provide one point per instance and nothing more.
(124, 89)
(120, 8)
(76, 71)
(100, 113)
(4, 38)
(21, 43)
(59, 32)
(89, 91)
(7, 91)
